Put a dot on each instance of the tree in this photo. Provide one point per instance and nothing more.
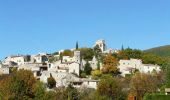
(129, 53)
(122, 48)
(18, 86)
(67, 52)
(39, 90)
(96, 74)
(86, 53)
(61, 57)
(167, 76)
(87, 68)
(97, 51)
(77, 46)
(141, 84)
(149, 58)
(110, 65)
(51, 82)
(72, 92)
(109, 86)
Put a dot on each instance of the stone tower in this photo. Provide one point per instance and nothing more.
(77, 57)
(102, 45)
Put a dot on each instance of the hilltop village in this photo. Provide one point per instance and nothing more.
(67, 69)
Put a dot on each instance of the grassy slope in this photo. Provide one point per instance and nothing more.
(161, 51)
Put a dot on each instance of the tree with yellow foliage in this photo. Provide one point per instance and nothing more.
(110, 65)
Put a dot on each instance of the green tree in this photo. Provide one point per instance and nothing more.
(39, 91)
(87, 68)
(97, 51)
(109, 86)
(167, 76)
(149, 58)
(72, 93)
(141, 84)
(18, 86)
(128, 53)
(77, 46)
(67, 52)
(122, 48)
(96, 74)
(51, 82)
(86, 53)
(61, 57)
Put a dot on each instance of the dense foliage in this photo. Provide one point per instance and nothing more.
(110, 65)
(156, 97)
(87, 68)
(160, 51)
(86, 53)
(111, 87)
(139, 85)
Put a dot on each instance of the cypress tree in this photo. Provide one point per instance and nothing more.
(77, 46)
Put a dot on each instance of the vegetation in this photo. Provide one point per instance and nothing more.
(110, 65)
(167, 76)
(51, 82)
(110, 87)
(77, 45)
(87, 68)
(21, 85)
(86, 53)
(97, 51)
(96, 74)
(139, 85)
(67, 52)
(156, 97)
(160, 51)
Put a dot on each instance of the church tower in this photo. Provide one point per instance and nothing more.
(77, 57)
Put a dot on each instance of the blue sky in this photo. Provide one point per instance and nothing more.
(32, 26)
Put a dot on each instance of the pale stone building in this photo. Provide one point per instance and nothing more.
(39, 58)
(63, 79)
(4, 69)
(19, 59)
(128, 66)
(68, 64)
(36, 68)
(102, 45)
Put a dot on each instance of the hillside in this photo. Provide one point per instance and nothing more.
(161, 51)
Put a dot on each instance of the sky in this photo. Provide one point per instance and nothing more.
(33, 26)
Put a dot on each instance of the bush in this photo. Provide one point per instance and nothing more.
(156, 97)
(51, 82)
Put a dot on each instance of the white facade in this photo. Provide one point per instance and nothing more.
(87, 83)
(4, 70)
(74, 68)
(77, 57)
(68, 64)
(40, 58)
(19, 60)
(111, 51)
(149, 68)
(128, 66)
(36, 68)
(64, 79)
(61, 78)
(68, 59)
